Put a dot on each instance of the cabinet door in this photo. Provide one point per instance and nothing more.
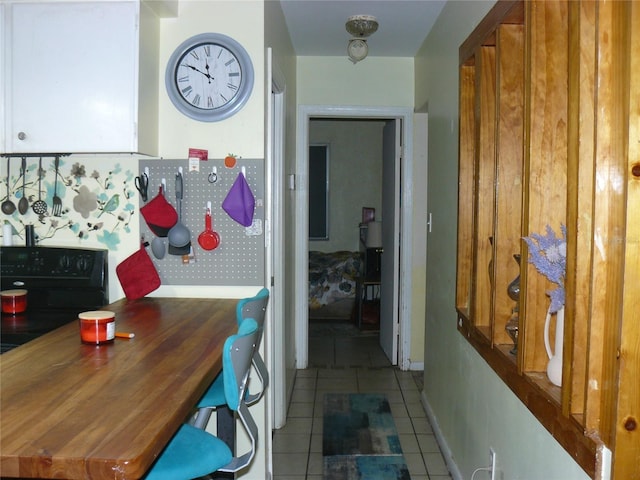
(71, 77)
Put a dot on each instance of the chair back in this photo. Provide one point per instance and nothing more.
(236, 364)
(236, 361)
(256, 307)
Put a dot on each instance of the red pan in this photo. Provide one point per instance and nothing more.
(208, 239)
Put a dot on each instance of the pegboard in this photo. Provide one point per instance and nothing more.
(239, 259)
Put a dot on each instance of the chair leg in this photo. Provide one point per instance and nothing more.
(201, 419)
(226, 431)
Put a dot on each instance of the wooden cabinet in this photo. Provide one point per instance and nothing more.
(80, 77)
(549, 115)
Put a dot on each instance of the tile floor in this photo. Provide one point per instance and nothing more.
(352, 363)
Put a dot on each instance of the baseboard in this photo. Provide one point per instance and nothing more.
(444, 447)
(416, 366)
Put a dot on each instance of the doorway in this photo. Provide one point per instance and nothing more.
(401, 302)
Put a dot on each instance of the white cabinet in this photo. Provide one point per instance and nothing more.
(80, 77)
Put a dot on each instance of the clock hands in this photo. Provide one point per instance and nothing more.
(209, 77)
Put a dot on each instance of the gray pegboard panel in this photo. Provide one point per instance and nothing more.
(239, 259)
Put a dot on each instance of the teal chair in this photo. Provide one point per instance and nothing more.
(252, 307)
(193, 452)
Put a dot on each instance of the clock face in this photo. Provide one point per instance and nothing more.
(209, 77)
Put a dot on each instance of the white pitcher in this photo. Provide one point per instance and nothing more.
(554, 367)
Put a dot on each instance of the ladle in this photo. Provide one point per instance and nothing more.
(23, 204)
(179, 235)
(8, 207)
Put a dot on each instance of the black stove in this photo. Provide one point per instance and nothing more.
(61, 282)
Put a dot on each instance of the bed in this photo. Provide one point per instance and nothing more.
(332, 284)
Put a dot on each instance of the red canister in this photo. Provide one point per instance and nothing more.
(14, 301)
(97, 327)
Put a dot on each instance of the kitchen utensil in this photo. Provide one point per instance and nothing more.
(142, 184)
(208, 239)
(8, 207)
(57, 201)
(213, 176)
(158, 248)
(23, 204)
(39, 206)
(179, 235)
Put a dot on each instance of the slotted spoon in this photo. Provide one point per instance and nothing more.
(39, 206)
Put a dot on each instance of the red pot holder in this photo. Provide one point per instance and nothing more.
(137, 274)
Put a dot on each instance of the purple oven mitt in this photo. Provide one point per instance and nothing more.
(240, 202)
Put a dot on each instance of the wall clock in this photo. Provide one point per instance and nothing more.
(209, 77)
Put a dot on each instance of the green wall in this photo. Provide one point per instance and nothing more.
(355, 177)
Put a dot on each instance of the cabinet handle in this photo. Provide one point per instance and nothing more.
(22, 135)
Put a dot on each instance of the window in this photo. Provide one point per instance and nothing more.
(319, 192)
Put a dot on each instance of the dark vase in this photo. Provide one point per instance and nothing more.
(513, 290)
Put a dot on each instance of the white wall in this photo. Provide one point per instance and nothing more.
(473, 408)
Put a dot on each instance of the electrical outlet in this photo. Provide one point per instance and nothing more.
(494, 456)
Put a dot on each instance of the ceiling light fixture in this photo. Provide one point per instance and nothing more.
(360, 27)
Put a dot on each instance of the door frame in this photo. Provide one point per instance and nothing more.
(274, 240)
(305, 114)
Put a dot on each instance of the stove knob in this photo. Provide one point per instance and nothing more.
(83, 263)
(64, 263)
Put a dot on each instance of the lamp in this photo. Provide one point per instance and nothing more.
(360, 27)
(374, 235)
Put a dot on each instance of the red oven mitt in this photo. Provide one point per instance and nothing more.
(137, 274)
(159, 215)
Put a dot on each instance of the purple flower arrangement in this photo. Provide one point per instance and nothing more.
(548, 253)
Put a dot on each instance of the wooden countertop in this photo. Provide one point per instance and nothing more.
(75, 411)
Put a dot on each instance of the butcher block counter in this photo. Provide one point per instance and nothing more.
(76, 411)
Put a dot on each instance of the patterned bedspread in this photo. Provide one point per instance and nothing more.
(332, 276)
